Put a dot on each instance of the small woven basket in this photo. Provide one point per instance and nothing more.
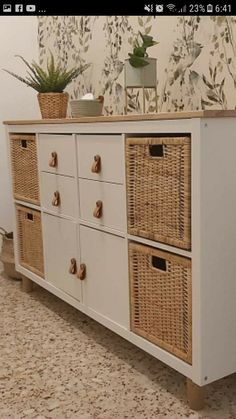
(159, 189)
(30, 240)
(161, 299)
(53, 105)
(24, 167)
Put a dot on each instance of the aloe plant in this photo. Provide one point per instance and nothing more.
(137, 57)
(54, 79)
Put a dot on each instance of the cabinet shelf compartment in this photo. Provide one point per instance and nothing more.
(161, 299)
(30, 243)
(159, 189)
(24, 168)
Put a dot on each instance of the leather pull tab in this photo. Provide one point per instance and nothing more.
(96, 166)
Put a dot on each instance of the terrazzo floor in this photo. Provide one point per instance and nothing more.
(57, 363)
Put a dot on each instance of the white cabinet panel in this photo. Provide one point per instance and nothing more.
(60, 245)
(57, 154)
(112, 198)
(108, 149)
(59, 194)
(105, 288)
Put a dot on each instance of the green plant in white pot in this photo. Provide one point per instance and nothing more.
(50, 84)
(140, 70)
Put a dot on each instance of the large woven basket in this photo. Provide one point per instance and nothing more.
(30, 243)
(24, 167)
(159, 189)
(53, 105)
(161, 302)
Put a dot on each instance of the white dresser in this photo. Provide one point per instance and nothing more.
(132, 220)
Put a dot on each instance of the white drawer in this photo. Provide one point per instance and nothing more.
(66, 187)
(109, 149)
(113, 203)
(57, 150)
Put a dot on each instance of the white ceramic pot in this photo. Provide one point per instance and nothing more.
(142, 76)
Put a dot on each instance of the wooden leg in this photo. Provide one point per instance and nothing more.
(27, 284)
(195, 395)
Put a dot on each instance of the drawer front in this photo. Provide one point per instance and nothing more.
(60, 243)
(102, 203)
(101, 157)
(57, 154)
(105, 286)
(59, 194)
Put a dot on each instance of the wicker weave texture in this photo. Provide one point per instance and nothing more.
(53, 105)
(24, 167)
(161, 302)
(159, 189)
(30, 242)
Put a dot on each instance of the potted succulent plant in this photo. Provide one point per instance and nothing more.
(50, 84)
(140, 70)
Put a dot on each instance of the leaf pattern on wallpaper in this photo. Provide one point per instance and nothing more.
(200, 58)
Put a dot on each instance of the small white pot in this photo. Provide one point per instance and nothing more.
(142, 76)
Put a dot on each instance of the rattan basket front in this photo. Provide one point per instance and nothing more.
(161, 299)
(159, 189)
(24, 167)
(53, 105)
(30, 242)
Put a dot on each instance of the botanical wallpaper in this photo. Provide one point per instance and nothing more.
(196, 58)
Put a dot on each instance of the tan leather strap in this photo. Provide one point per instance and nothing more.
(96, 166)
(53, 160)
(82, 271)
(56, 199)
(97, 212)
(73, 266)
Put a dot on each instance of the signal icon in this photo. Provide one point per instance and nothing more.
(171, 7)
(183, 10)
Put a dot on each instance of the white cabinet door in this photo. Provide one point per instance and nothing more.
(105, 287)
(59, 194)
(57, 154)
(101, 157)
(112, 199)
(60, 247)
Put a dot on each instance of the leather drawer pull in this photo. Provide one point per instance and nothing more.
(96, 166)
(73, 267)
(97, 213)
(56, 199)
(82, 271)
(53, 160)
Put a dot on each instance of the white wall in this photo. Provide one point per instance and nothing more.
(18, 35)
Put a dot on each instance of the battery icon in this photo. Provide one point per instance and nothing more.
(209, 8)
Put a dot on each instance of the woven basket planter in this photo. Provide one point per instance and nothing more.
(53, 105)
(161, 299)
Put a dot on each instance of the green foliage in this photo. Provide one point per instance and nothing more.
(54, 79)
(137, 57)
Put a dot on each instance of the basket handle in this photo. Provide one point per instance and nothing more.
(4, 231)
(56, 199)
(82, 271)
(156, 150)
(53, 160)
(97, 212)
(158, 263)
(96, 166)
(73, 266)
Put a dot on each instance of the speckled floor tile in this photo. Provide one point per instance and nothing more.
(58, 363)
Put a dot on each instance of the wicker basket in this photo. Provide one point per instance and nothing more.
(53, 105)
(161, 308)
(30, 243)
(159, 189)
(24, 167)
(7, 254)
